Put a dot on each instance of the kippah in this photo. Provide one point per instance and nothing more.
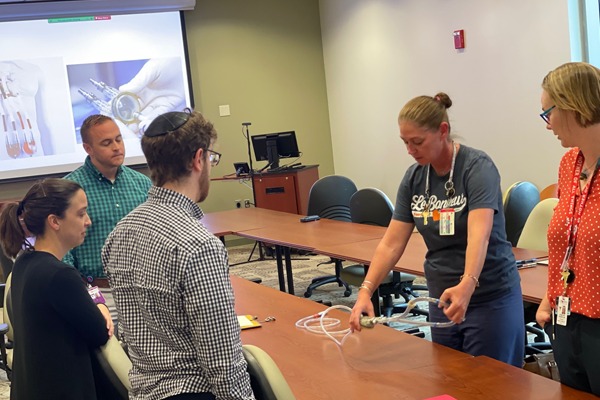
(167, 122)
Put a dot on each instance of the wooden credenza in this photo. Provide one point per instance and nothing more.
(285, 191)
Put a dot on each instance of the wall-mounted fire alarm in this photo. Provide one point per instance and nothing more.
(459, 39)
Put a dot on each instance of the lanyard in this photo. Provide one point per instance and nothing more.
(449, 186)
(575, 213)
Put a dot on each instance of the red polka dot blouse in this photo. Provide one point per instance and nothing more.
(584, 291)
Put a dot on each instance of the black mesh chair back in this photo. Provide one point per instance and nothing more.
(329, 198)
(520, 201)
(371, 207)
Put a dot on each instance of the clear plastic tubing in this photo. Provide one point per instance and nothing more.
(320, 323)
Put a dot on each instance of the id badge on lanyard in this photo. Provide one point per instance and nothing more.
(563, 303)
(96, 295)
(563, 310)
(447, 222)
(445, 216)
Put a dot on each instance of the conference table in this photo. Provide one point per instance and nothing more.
(285, 231)
(343, 240)
(381, 363)
(533, 280)
(230, 222)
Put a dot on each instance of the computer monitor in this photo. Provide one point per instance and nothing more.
(273, 146)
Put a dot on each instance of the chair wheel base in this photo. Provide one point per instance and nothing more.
(347, 293)
(307, 294)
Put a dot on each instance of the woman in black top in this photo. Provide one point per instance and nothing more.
(55, 320)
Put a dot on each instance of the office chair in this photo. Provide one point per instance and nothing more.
(534, 237)
(329, 198)
(111, 365)
(520, 199)
(550, 192)
(372, 207)
(535, 230)
(266, 379)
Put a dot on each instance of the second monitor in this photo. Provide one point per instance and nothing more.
(273, 146)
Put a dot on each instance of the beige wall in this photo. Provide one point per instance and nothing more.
(380, 54)
(264, 58)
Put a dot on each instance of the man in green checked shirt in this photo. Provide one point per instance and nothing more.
(113, 191)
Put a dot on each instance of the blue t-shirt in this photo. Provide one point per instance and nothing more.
(477, 184)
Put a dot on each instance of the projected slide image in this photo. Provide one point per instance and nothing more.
(132, 92)
(30, 95)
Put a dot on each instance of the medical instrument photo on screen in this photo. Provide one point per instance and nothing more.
(19, 86)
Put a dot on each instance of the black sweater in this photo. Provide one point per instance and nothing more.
(55, 323)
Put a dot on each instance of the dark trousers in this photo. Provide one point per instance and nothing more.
(577, 352)
(495, 329)
(192, 396)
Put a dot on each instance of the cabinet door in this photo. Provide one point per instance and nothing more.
(276, 193)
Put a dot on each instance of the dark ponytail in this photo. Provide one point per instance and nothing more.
(12, 235)
(44, 198)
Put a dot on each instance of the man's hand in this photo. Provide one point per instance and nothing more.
(109, 323)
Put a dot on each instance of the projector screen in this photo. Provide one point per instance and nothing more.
(56, 72)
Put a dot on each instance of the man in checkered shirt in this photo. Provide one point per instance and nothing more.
(113, 191)
(170, 276)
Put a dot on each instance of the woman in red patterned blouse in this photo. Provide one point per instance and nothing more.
(570, 311)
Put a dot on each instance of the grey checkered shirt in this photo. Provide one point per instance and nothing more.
(170, 280)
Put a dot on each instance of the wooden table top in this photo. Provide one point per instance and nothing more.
(534, 283)
(481, 378)
(314, 366)
(309, 235)
(347, 241)
(381, 363)
(533, 280)
(230, 222)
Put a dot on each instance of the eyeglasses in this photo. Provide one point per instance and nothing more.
(546, 115)
(213, 157)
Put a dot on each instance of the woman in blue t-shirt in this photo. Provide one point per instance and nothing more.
(452, 194)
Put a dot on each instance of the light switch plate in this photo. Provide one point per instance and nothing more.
(224, 111)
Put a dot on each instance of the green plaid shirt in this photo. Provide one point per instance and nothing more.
(108, 203)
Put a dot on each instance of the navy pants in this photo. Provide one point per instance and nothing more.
(577, 352)
(495, 329)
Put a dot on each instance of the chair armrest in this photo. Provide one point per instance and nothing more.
(2, 288)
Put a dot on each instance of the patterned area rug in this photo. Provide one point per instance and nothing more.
(4, 386)
(305, 268)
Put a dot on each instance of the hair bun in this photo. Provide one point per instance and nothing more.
(444, 99)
